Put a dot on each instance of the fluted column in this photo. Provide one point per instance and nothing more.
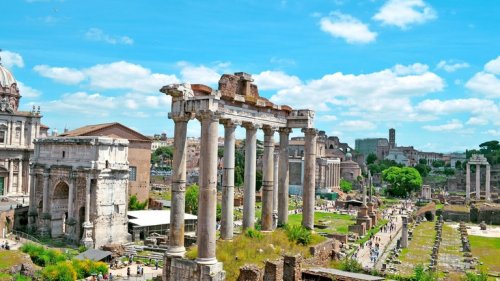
(226, 229)
(309, 177)
(267, 179)
(478, 181)
(11, 176)
(487, 183)
(283, 177)
(177, 209)
(21, 135)
(250, 175)
(88, 226)
(467, 182)
(45, 228)
(327, 175)
(275, 189)
(208, 189)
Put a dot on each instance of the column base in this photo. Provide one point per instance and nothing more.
(87, 240)
(206, 261)
(177, 251)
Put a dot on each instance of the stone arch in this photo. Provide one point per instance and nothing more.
(59, 208)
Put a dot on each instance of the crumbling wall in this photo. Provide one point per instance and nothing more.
(292, 268)
(273, 271)
(250, 273)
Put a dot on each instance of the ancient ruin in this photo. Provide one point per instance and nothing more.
(478, 160)
(235, 103)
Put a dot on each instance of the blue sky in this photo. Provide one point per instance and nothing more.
(430, 69)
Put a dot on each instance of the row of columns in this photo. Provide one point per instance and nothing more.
(274, 203)
(11, 129)
(332, 175)
(478, 182)
(10, 180)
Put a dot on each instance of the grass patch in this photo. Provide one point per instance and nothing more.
(336, 223)
(456, 208)
(419, 249)
(487, 249)
(246, 250)
(439, 206)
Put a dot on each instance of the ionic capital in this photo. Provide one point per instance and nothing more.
(310, 131)
(229, 124)
(251, 126)
(268, 130)
(285, 130)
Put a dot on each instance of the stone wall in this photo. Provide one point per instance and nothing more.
(179, 269)
(273, 271)
(323, 252)
(250, 273)
(456, 216)
(489, 213)
(292, 268)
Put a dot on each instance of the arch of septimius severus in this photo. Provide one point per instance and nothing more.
(235, 103)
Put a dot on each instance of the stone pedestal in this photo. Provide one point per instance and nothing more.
(372, 213)
(87, 240)
(363, 217)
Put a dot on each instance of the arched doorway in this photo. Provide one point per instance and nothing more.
(59, 209)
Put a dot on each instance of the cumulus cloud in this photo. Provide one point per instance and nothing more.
(477, 121)
(347, 27)
(199, 74)
(96, 34)
(274, 80)
(450, 126)
(403, 13)
(487, 82)
(327, 117)
(11, 59)
(451, 66)
(63, 75)
(357, 125)
(382, 95)
(27, 91)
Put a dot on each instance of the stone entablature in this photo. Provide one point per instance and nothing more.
(478, 160)
(80, 181)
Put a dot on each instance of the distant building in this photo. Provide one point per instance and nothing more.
(139, 153)
(160, 141)
(18, 129)
(397, 156)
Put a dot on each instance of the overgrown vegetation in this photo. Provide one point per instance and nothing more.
(134, 204)
(191, 205)
(298, 234)
(345, 185)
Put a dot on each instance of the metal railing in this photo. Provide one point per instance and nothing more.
(25, 236)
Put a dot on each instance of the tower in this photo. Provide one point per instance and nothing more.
(392, 138)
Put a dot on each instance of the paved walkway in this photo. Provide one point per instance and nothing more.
(149, 273)
(387, 240)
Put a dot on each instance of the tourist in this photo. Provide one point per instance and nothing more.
(111, 276)
(156, 264)
(99, 277)
(128, 271)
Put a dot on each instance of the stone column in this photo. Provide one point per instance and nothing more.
(88, 226)
(404, 232)
(45, 228)
(71, 195)
(478, 181)
(467, 182)
(11, 176)
(21, 140)
(208, 189)
(32, 206)
(19, 189)
(283, 177)
(226, 229)
(327, 175)
(250, 174)
(176, 231)
(309, 178)
(267, 179)
(487, 183)
(275, 189)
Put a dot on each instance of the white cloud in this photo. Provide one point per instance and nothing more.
(348, 28)
(450, 126)
(63, 75)
(494, 132)
(403, 13)
(274, 80)
(451, 66)
(493, 66)
(485, 83)
(326, 118)
(357, 125)
(27, 91)
(382, 95)
(477, 121)
(11, 59)
(96, 34)
(88, 104)
(200, 74)
(441, 107)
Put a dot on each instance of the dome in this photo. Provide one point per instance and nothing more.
(6, 78)
(348, 156)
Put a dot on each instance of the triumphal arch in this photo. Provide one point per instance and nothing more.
(236, 102)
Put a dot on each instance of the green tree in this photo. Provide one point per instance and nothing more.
(345, 185)
(438, 163)
(239, 168)
(423, 169)
(458, 165)
(403, 180)
(449, 171)
(162, 154)
(371, 158)
(422, 161)
(258, 180)
(191, 199)
(134, 204)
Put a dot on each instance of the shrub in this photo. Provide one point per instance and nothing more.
(62, 271)
(42, 256)
(252, 233)
(298, 234)
(82, 249)
(481, 276)
(350, 265)
(422, 275)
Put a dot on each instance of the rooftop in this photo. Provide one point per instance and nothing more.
(153, 217)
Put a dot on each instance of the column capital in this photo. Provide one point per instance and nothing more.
(228, 123)
(205, 114)
(285, 130)
(268, 130)
(181, 117)
(251, 126)
(310, 131)
(46, 173)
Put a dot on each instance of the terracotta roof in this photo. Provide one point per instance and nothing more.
(93, 130)
(44, 126)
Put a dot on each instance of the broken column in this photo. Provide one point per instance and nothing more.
(308, 195)
(404, 232)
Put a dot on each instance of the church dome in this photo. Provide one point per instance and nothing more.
(6, 77)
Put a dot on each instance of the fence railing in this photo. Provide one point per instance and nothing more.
(26, 236)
